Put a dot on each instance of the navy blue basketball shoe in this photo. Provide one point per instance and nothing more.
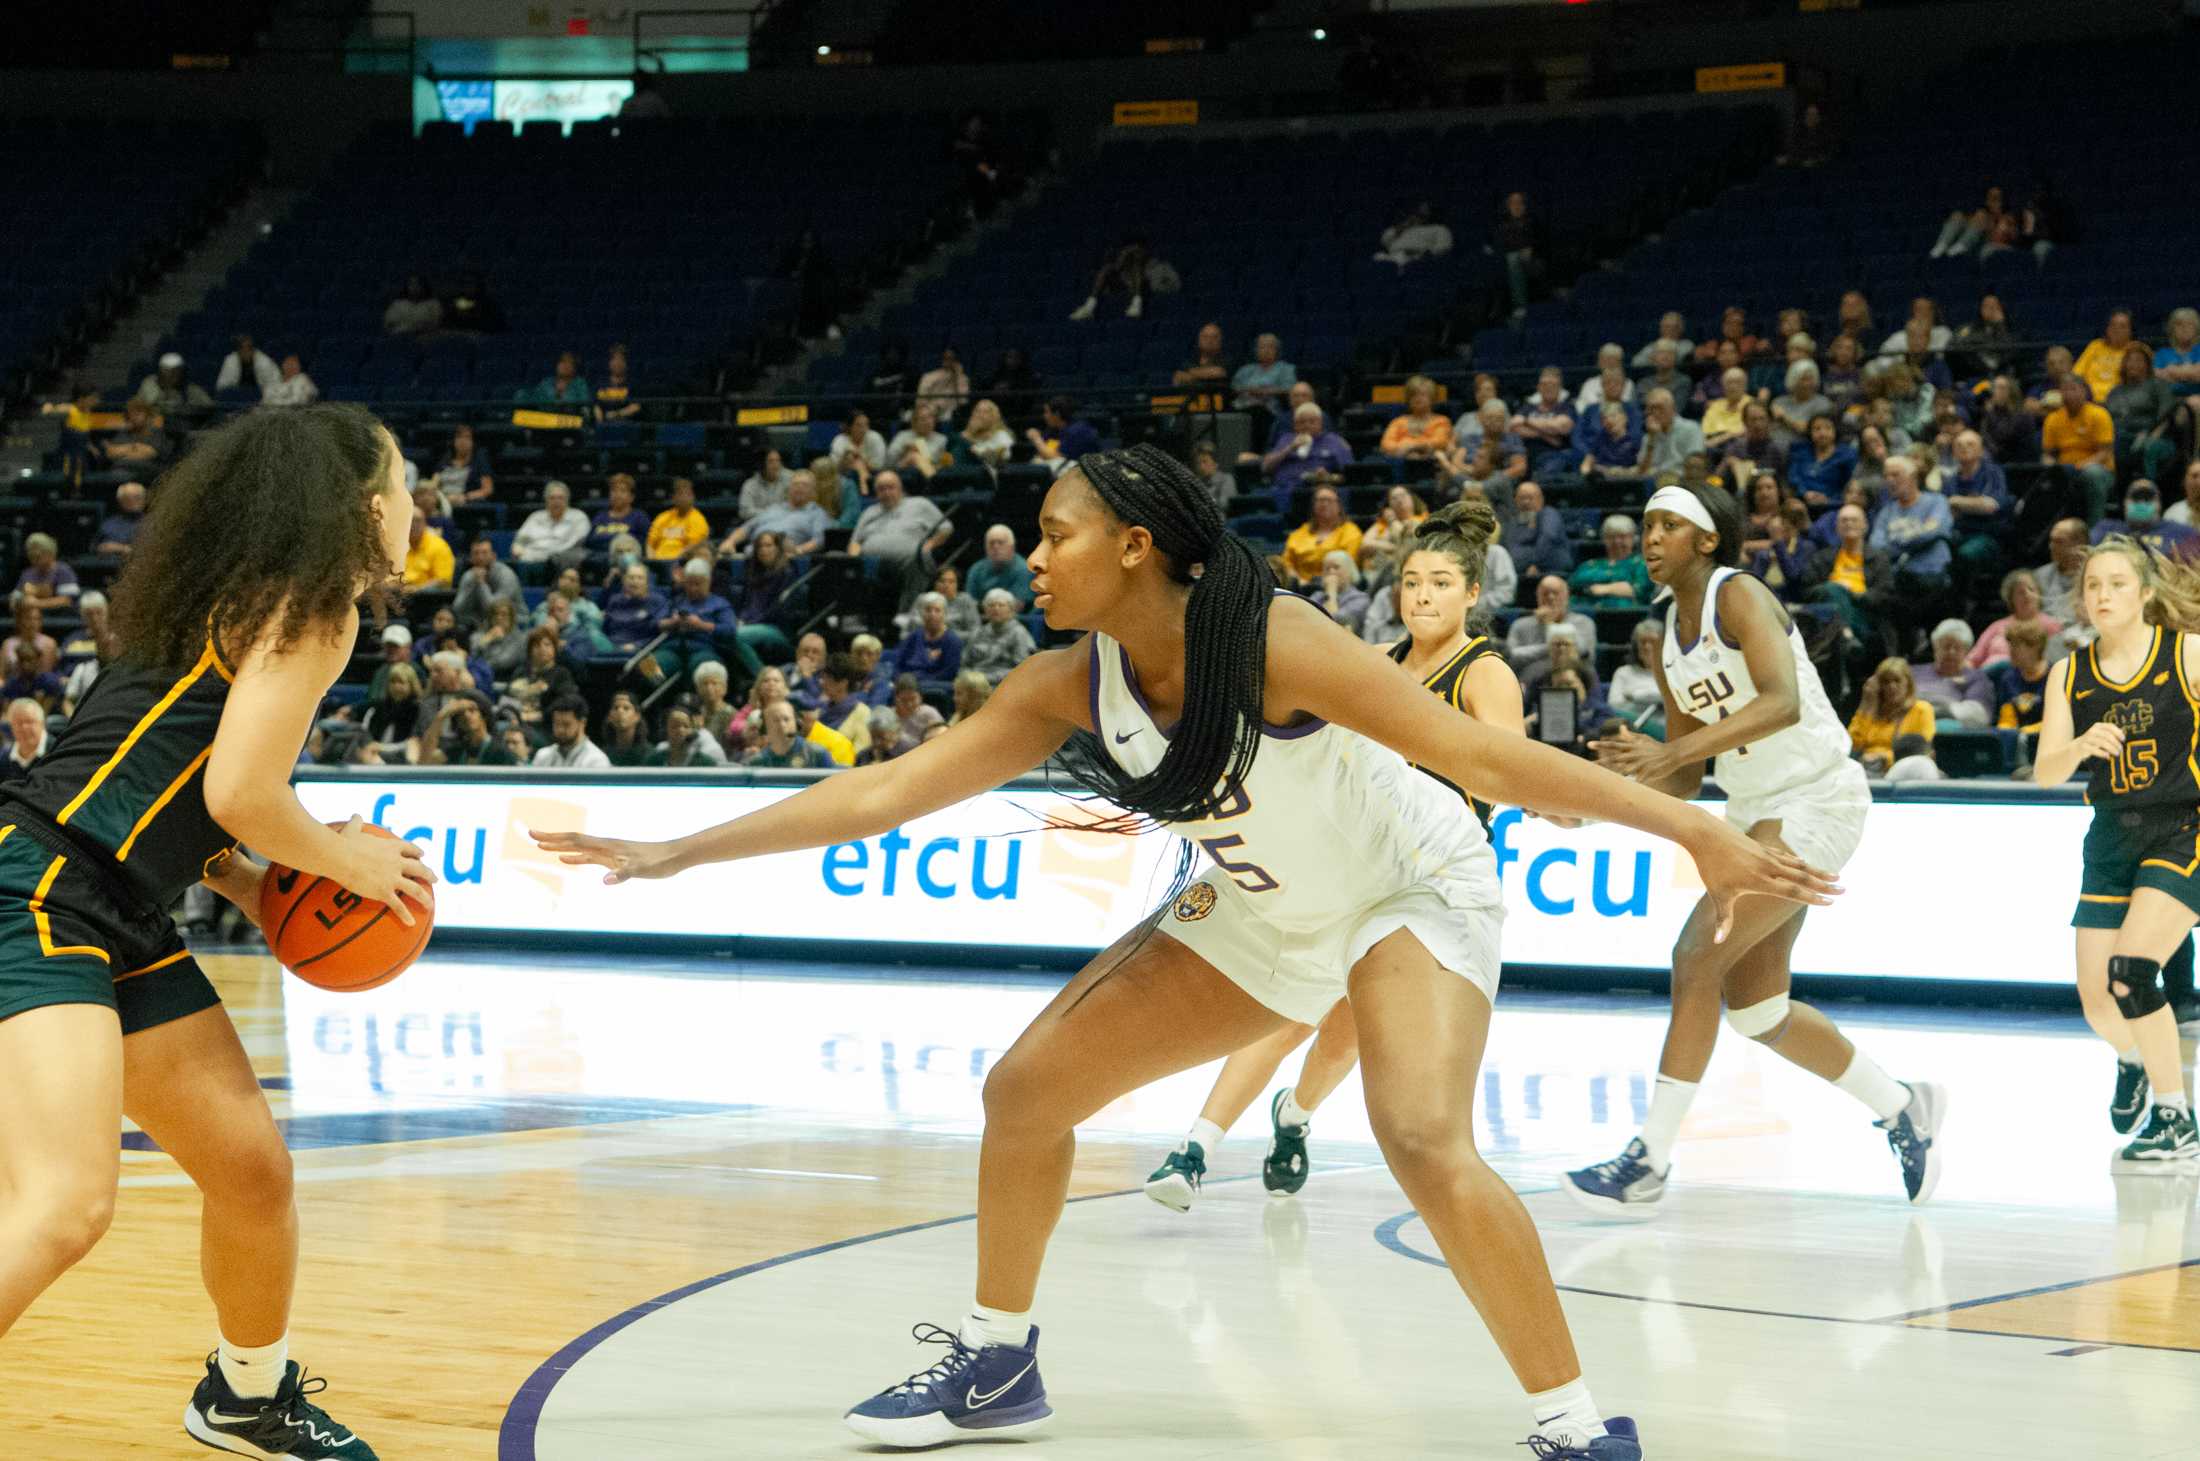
(970, 1395)
(1620, 1442)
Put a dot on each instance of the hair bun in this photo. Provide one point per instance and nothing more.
(1471, 518)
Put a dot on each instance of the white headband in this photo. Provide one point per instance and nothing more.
(1683, 504)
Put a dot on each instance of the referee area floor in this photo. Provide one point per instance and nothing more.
(569, 1209)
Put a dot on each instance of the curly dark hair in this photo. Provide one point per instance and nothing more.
(266, 517)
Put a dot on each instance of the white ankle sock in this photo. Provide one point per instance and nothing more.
(1291, 1113)
(1669, 1103)
(1874, 1087)
(2130, 1057)
(2175, 1100)
(254, 1374)
(1567, 1414)
(983, 1326)
(1207, 1134)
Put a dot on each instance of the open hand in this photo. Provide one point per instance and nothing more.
(2104, 739)
(1734, 867)
(625, 860)
(1633, 755)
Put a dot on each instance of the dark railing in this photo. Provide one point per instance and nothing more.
(672, 44)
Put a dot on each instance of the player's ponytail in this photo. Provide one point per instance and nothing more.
(1225, 643)
(2176, 602)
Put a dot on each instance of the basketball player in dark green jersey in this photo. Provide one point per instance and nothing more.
(236, 613)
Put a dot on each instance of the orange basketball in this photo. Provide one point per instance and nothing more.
(334, 939)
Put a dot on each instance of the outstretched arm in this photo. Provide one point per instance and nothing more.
(1026, 721)
(1316, 667)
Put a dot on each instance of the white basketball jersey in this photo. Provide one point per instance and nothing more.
(1327, 823)
(1710, 681)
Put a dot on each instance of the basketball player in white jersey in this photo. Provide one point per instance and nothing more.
(1741, 693)
(1250, 724)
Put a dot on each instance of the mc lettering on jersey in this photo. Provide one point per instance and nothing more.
(943, 867)
(1553, 878)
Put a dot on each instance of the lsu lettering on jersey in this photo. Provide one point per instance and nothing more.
(1710, 681)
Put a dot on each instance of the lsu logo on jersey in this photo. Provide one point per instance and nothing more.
(1196, 903)
(1708, 694)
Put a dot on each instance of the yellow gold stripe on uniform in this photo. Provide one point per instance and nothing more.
(2104, 897)
(229, 676)
(2184, 683)
(5, 831)
(2146, 664)
(122, 854)
(2185, 871)
(177, 957)
(45, 924)
(145, 723)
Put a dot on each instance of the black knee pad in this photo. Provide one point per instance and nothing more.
(2142, 981)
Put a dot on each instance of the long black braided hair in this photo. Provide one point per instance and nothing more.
(1225, 644)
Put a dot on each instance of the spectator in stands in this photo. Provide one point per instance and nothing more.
(580, 636)
(570, 749)
(1722, 417)
(945, 387)
(2010, 431)
(1665, 375)
(1983, 347)
(1207, 367)
(2178, 362)
(783, 746)
(858, 439)
(1308, 448)
(716, 714)
(695, 622)
(1915, 529)
(1633, 695)
(2142, 519)
(1013, 378)
(962, 609)
(1417, 235)
(2101, 364)
(429, 562)
(1913, 761)
(1601, 387)
(921, 446)
(1734, 332)
(1402, 512)
(898, 531)
(1615, 446)
(1965, 231)
(1122, 270)
(2020, 591)
(621, 517)
(1264, 381)
(2055, 366)
(1802, 403)
(2062, 576)
(1327, 530)
(169, 392)
(1909, 398)
(632, 616)
(29, 679)
(1545, 421)
(800, 523)
(1889, 708)
(294, 387)
(465, 475)
(1064, 438)
(1978, 498)
(564, 386)
(876, 687)
(1221, 485)
(763, 587)
(891, 379)
(1819, 467)
(1757, 445)
(1853, 317)
(1480, 442)
(2186, 510)
(2081, 438)
(679, 529)
(1002, 568)
(809, 658)
(2020, 687)
(143, 443)
(1527, 643)
(1619, 577)
(2141, 407)
(1956, 689)
(766, 487)
(614, 398)
(1873, 450)
(1535, 537)
(1668, 440)
(934, 653)
(45, 582)
(484, 583)
(89, 638)
(459, 736)
(1784, 560)
(986, 439)
(28, 741)
(686, 742)
(1422, 432)
(499, 643)
(1853, 575)
(1566, 664)
(1673, 336)
(1466, 428)
(1518, 240)
(1935, 337)
(471, 309)
(415, 310)
(553, 533)
(625, 739)
(1000, 642)
(393, 711)
(1337, 592)
(246, 366)
(1842, 377)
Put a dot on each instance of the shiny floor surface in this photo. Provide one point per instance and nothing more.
(583, 1211)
